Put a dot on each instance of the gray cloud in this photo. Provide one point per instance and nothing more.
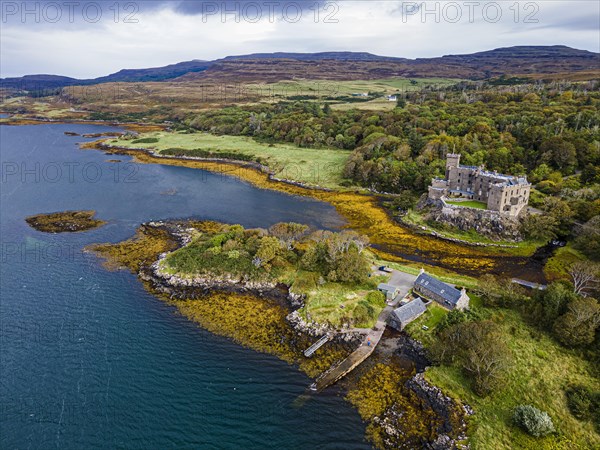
(165, 32)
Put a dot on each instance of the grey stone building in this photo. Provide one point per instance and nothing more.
(505, 194)
(444, 294)
(400, 317)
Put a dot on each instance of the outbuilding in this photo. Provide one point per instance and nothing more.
(404, 315)
(389, 290)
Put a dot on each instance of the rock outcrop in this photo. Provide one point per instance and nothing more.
(452, 428)
(490, 224)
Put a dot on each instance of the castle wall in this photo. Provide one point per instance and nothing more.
(489, 187)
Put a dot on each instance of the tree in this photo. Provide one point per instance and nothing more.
(551, 303)
(578, 325)
(560, 153)
(499, 291)
(590, 174)
(351, 266)
(288, 233)
(585, 277)
(588, 241)
(535, 422)
(479, 348)
(539, 227)
(267, 251)
(561, 212)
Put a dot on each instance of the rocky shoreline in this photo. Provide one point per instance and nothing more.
(453, 426)
(301, 332)
(181, 288)
(448, 428)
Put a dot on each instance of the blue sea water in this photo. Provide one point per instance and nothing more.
(88, 359)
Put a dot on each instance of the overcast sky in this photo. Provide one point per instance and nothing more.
(89, 39)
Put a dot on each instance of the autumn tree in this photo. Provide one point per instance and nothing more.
(288, 233)
(579, 324)
(267, 251)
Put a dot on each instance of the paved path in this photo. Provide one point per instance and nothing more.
(529, 284)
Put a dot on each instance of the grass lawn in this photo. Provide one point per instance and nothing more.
(331, 302)
(434, 314)
(322, 167)
(469, 204)
(540, 371)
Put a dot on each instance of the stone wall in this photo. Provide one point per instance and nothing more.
(490, 224)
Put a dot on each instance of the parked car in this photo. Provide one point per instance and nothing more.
(385, 269)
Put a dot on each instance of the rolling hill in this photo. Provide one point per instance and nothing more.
(534, 61)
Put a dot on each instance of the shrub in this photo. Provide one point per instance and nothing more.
(535, 422)
(376, 298)
(233, 254)
(149, 140)
(363, 313)
(479, 349)
(214, 250)
(584, 404)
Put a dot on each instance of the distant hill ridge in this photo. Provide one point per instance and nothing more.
(343, 65)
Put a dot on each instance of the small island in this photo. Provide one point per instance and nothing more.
(65, 222)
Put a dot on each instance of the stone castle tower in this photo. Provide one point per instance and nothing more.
(505, 194)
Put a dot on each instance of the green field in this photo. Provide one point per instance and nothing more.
(468, 204)
(318, 167)
(323, 88)
(540, 371)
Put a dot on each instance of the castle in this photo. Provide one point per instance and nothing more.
(505, 194)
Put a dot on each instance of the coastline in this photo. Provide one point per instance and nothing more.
(249, 313)
(262, 317)
(389, 240)
(130, 126)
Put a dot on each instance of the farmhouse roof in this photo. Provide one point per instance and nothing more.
(410, 311)
(435, 286)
